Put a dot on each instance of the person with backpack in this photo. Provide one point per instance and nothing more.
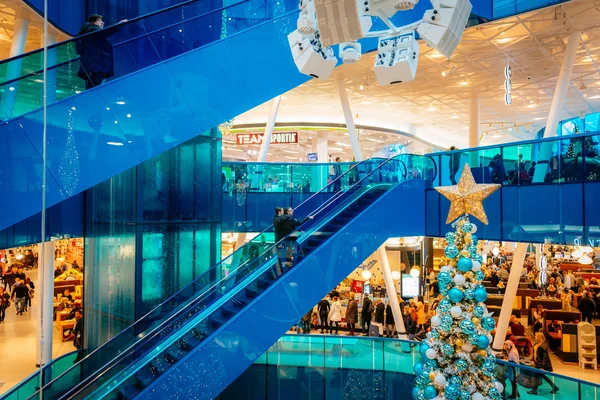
(367, 313)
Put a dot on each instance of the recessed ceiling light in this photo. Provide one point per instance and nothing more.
(538, 118)
(431, 109)
(115, 143)
(342, 144)
(464, 83)
(531, 106)
(594, 97)
(454, 117)
(374, 140)
(120, 102)
(503, 40)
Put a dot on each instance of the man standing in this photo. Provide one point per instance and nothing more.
(96, 62)
(290, 225)
(78, 334)
(366, 314)
(587, 307)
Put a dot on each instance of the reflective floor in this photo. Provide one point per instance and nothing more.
(18, 343)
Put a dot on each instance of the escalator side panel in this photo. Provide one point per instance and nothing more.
(229, 351)
(144, 113)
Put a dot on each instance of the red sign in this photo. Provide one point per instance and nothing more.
(357, 286)
(257, 138)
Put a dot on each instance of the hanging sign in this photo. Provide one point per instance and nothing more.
(276, 138)
(357, 286)
(507, 85)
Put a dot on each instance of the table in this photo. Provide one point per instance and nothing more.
(62, 315)
(555, 335)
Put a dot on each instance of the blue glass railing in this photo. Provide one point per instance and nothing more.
(27, 387)
(506, 8)
(136, 44)
(200, 313)
(191, 300)
(572, 159)
(296, 357)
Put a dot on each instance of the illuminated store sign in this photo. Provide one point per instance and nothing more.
(257, 138)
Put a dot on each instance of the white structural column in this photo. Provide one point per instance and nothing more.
(264, 147)
(46, 302)
(51, 74)
(13, 69)
(509, 296)
(321, 147)
(349, 121)
(474, 130)
(558, 101)
(392, 293)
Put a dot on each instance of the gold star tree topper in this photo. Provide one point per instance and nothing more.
(467, 197)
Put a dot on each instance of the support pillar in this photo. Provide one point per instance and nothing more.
(264, 147)
(558, 101)
(51, 73)
(320, 174)
(46, 302)
(474, 130)
(509, 296)
(349, 121)
(392, 293)
(13, 69)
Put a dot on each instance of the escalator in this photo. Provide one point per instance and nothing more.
(172, 82)
(231, 319)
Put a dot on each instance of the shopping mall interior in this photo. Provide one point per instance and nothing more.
(335, 199)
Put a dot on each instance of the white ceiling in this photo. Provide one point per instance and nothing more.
(435, 108)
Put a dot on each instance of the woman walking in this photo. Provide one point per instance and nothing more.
(335, 315)
(541, 357)
(352, 314)
(512, 357)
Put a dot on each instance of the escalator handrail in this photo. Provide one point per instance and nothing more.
(129, 21)
(55, 66)
(158, 330)
(178, 311)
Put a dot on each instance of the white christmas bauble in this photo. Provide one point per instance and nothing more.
(431, 354)
(436, 321)
(490, 338)
(497, 385)
(473, 228)
(467, 347)
(440, 380)
(456, 311)
(445, 268)
(477, 396)
(459, 280)
(476, 266)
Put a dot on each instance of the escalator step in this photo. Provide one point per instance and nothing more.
(191, 339)
(230, 309)
(264, 281)
(217, 321)
(128, 392)
(251, 292)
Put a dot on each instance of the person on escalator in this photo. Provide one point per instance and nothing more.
(96, 62)
(278, 226)
(337, 172)
(290, 224)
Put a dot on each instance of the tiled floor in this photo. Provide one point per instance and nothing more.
(18, 344)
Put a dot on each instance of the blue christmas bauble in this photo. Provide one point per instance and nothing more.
(477, 257)
(487, 368)
(465, 395)
(478, 311)
(455, 380)
(450, 237)
(444, 306)
(488, 323)
(415, 392)
(455, 295)
(431, 364)
(479, 275)
(423, 350)
(467, 327)
(467, 228)
(481, 294)
(430, 392)
(470, 294)
(483, 342)
(448, 349)
(445, 327)
(418, 368)
(465, 264)
(472, 249)
(451, 251)
(494, 394)
(452, 392)
(474, 240)
(461, 364)
(435, 334)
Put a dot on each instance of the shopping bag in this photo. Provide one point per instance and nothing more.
(376, 329)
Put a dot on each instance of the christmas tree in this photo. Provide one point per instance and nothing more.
(457, 363)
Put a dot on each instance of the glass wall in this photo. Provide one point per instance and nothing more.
(506, 8)
(150, 231)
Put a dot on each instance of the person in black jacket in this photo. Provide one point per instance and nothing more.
(389, 321)
(96, 62)
(587, 307)
(541, 357)
(290, 224)
(366, 314)
(78, 334)
(278, 226)
(323, 308)
(379, 311)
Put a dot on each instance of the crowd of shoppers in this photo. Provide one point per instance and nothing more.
(16, 288)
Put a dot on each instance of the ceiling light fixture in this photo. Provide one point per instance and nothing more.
(115, 143)
(342, 144)
(374, 140)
